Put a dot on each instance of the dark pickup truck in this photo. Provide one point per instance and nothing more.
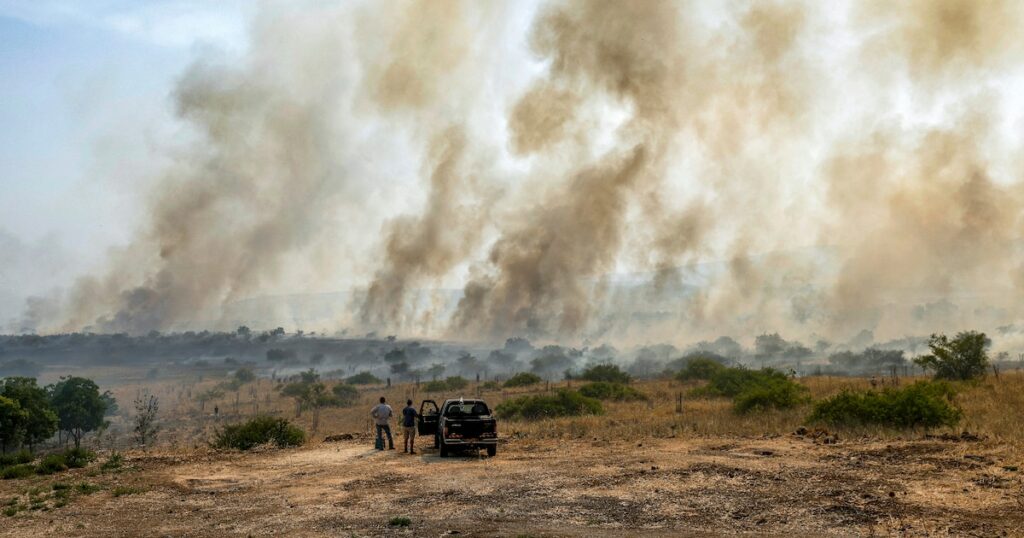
(459, 424)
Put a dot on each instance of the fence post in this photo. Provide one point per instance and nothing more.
(679, 403)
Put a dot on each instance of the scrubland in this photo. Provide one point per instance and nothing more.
(641, 468)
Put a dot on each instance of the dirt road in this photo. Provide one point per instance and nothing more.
(667, 487)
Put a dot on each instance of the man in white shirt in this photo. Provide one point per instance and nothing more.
(381, 414)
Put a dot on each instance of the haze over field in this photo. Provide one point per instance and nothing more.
(607, 171)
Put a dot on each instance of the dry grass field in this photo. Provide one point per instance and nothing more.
(639, 469)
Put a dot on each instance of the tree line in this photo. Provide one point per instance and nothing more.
(31, 414)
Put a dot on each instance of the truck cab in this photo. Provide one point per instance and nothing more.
(459, 423)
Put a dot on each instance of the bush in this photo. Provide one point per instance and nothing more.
(451, 383)
(113, 462)
(18, 471)
(925, 403)
(345, 395)
(120, 491)
(961, 358)
(258, 431)
(699, 368)
(53, 463)
(363, 378)
(456, 383)
(609, 373)
(22, 456)
(611, 391)
(76, 458)
(400, 521)
(777, 394)
(755, 389)
(490, 385)
(562, 404)
(523, 379)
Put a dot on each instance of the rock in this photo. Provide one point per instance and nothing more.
(801, 431)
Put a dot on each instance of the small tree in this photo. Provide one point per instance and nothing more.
(78, 405)
(961, 358)
(12, 423)
(146, 408)
(40, 420)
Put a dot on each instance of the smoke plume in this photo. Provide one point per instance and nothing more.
(584, 170)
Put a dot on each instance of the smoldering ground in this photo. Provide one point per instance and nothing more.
(653, 171)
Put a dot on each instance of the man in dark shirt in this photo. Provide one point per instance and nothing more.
(409, 415)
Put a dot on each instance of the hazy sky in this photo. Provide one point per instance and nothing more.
(327, 178)
(84, 100)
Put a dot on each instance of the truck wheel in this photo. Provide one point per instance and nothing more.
(492, 450)
(443, 451)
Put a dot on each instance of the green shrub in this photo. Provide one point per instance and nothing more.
(925, 403)
(699, 368)
(456, 382)
(363, 378)
(53, 463)
(490, 385)
(753, 390)
(777, 394)
(438, 385)
(17, 471)
(602, 390)
(609, 373)
(561, 404)
(258, 431)
(113, 462)
(86, 488)
(345, 395)
(441, 385)
(523, 379)
(126, 490)
(22, 456)
(77, 458)
(400, 521)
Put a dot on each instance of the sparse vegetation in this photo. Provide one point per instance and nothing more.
(400, 521)
(121, 491)
(147, 406)
(259, 431)
(523, 379)
(923, 404)
(114, 462)
(563, 403)
(602, 390)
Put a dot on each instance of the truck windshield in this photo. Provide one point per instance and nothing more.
(468, 409)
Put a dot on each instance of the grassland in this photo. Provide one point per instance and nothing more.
(641, 468)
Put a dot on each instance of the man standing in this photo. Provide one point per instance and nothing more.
(381, 414)
(409, 415)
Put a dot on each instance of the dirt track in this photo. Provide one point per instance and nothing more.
(668, 487)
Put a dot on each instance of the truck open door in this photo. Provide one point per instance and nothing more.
(429, 415)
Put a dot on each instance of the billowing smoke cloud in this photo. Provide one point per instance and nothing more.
(654, 171)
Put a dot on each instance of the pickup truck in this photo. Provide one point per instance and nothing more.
(459, 424)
